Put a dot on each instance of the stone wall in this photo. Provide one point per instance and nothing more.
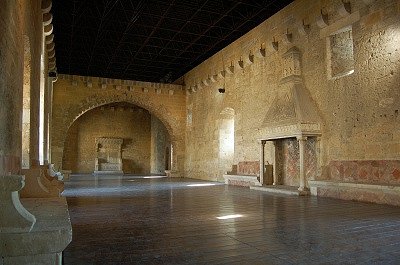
(18, 18)
(75, 95)
(359, 107)
(130, 123)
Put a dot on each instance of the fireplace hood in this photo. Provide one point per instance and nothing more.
(293, 113)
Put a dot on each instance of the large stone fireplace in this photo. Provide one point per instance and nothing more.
(293, 126)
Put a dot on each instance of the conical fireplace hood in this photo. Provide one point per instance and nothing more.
(293, 113)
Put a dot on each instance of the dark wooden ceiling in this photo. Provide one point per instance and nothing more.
(149, 40)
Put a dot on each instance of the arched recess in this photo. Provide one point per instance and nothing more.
(174, 126)
(26, 105)
(143, 140)
(226, 140)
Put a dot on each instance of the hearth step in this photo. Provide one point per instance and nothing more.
(281, 189)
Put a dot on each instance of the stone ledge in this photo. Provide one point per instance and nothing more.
(241, 180)
(50, 235)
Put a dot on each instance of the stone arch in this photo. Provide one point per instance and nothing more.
(73, 112)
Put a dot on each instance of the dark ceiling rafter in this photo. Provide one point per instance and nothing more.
(149, 40)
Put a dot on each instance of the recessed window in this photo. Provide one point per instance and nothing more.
(340, 53)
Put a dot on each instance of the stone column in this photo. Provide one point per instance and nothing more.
(275, 169)
(302, 142)
(262, 162)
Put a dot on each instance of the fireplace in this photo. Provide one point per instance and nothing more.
(293, 125)
(108, 156)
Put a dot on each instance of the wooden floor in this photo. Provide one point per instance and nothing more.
(175, 221)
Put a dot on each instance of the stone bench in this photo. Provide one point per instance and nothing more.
(245, 174)
(241, 180)
(377, 193)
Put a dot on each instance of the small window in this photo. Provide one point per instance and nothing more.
(340, 53)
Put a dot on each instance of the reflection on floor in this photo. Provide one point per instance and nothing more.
(136, 220)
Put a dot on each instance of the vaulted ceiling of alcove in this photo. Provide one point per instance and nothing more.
(149, 40)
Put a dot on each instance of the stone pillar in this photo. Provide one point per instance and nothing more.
(262, 161)
(302, 142)
(14, 217)
(275, 169)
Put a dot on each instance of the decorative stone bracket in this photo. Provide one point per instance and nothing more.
(40, 184)
(14, 217)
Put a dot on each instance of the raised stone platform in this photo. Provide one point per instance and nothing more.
(378, 193)
(44, 244)
(282, 189)
(241, 180)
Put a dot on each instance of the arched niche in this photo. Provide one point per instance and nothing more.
(226, 139)
(143, 136)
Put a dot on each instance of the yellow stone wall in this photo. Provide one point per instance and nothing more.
(131, 124)
(360, 111)
(72, 97)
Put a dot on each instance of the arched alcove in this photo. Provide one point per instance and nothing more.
(143, 139)
(226, 139)
(26, 102)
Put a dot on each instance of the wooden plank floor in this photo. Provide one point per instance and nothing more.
(174, 221)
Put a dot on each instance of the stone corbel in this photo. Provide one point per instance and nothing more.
(14, 217)
(50, 47)
(48, 30)
(49, 39)
(206, 81)
(214, 78)
(221, 74)
(273, 46)
(103, 82)
(260, 53)
(51, 54)
(230, 69)
(240, 63)
(47, 19)
(46, 6)
(322, 20)
(287, 37)
(89, 82)
(304, 29)
(344, 8)
(249, 59)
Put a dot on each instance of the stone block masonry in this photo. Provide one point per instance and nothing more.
(73, 97)
(356, 92)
